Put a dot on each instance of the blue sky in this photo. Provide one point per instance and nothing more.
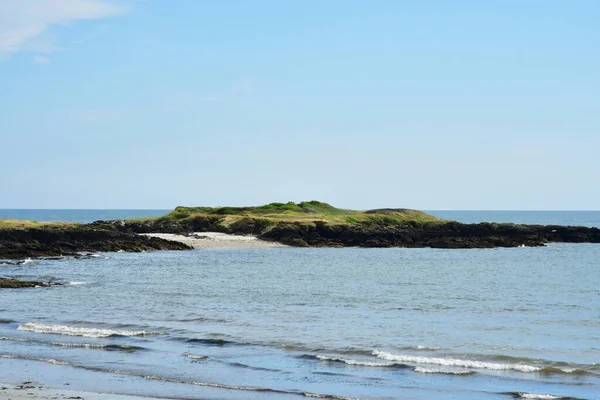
(363, 104)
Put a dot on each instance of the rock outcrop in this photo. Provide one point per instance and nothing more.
(410, 234)
(72, 240)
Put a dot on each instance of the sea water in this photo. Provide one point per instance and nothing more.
(338, 323)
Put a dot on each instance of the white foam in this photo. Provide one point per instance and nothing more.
(453, 362)
(538, 396)
(424, 370)
(353, 362)
(427, 348)
(328, 396)
(78, 331)
(27, 261)
(195, 356)
(78, 283)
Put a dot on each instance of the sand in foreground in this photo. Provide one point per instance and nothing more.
(208, 240)
(29, 390)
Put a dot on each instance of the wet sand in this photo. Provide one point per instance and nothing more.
(31, 390)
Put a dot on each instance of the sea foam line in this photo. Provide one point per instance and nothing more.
(79, 331)
(424, 370)
(76, 345)
(355, 362)
(453, 362)
(537, 396)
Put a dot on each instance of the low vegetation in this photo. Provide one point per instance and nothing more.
(23, 224)
(306, 211)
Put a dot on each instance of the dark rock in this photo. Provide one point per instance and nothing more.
(451, 235)
(8, 283)
(73, 240)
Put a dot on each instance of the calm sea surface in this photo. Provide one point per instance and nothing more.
(289, 323)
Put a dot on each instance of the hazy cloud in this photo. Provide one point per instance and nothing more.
(25, 24)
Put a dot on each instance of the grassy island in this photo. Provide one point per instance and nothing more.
(302, 212)
(304, 224)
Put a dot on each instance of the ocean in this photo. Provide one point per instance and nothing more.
(281, 323)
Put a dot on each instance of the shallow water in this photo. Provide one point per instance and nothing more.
(285, 322)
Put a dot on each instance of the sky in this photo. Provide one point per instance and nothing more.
(433, 105)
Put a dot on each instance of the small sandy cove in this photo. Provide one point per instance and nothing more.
(210, 240)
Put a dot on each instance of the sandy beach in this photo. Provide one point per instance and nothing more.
(208, 240)
(31, 390)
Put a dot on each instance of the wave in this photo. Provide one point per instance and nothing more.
(19, 262)
(453, 362)
(77, 283)
(328, 396)
(536, 396)
(422, 348)
(75, 345)
(521, 364)
(211, 341)
(47, 360)
(13, 339)
(353, 362)
(6, 321)
(240, 365)
(424, 370)
(79, 331)
(556, 370)
(175, 380)
(196, 357)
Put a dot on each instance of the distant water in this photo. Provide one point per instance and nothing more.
(82, 216)
(285, 323)
(574, 218)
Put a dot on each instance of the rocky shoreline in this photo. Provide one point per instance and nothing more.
(109, 236)
(19, 244)
(450, 235)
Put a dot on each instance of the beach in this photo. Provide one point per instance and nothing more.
(30, 390)
(209, 240)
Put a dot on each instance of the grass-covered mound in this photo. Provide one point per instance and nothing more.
(317, 224)
(301, 212)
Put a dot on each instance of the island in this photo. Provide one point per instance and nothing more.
(305, 224)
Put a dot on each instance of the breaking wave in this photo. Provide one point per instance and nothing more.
(79, 331)
(424, 370)
(453, 362)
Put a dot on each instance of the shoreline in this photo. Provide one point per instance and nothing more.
(32, 390)
(306, 224)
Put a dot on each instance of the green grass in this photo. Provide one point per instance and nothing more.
(303, 212)
(263, 216)
(23, 224)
